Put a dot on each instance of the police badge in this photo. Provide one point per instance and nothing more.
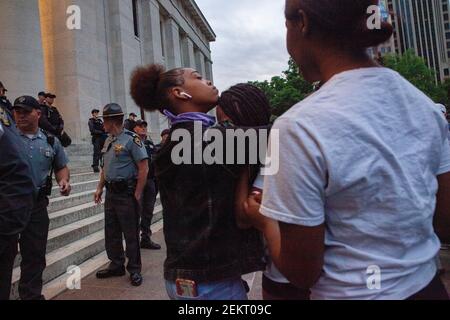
(4, 117)
(118, 148)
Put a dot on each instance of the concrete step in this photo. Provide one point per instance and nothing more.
(70, 215)
(59, 260)
(87, 175)
(61, 203)
(67, 234)
(77, 187)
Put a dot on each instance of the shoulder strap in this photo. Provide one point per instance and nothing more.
(51, 142)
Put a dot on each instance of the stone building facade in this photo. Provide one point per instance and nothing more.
(89, 67)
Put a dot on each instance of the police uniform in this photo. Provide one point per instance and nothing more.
(17, 193)
(46, 155)
(149, 200)
(121, 156)
(98, 139)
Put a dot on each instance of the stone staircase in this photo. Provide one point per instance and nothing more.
(76, 236)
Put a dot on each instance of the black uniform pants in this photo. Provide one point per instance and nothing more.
(97, 142)
(122, 220)
(33, 247)
(148, 206)
(8, 252)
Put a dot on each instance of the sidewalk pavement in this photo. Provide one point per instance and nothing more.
(153, 287)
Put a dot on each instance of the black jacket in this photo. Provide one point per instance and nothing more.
(51, 120)
(203, 241)
(96, 127)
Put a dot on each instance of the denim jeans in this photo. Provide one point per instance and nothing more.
(231, 289)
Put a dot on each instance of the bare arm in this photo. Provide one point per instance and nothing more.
(442, 216)
(100, 187)
(63, 178)
(297, 251)
(142, 178)
(241, 196)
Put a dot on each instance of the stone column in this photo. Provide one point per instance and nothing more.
(209, 70)
(21, 57)
(173, 52)
(200, 62)
(188, 52)
(151, 37)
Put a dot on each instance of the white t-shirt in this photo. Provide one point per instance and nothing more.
(362, 155)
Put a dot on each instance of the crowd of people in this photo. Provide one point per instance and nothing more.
(358, 208)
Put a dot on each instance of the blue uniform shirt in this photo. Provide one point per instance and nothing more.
(17, 189)
(42, 156)
(121, 155)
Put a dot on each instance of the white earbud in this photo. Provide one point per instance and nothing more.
(186, 95)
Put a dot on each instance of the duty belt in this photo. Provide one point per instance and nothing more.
(122, 186)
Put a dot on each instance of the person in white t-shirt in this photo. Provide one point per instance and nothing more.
(362, 196)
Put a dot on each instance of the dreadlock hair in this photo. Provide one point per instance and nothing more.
(246, 105)
(150, 86)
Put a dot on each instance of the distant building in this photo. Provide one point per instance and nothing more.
(423, 26)
(91, 67)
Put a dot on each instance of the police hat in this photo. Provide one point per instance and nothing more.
(141, 123)
(112, 110)
(27, 103)
(2, 86)
(133, 115)
(42, 94)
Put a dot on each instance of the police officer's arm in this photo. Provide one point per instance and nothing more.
(62, 172)
(100, 187)
(140, 157)
(142, 178)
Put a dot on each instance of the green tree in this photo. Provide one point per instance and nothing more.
(416, 71)
(286, 90)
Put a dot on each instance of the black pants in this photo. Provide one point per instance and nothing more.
(97, 142)
(33, 247)
(434, 291)
(8, 252)
(122, 220)
(148, 206)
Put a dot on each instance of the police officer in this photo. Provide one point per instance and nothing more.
(130, 123)
(150, 191)
(51, 120)
(17, 193)
(124, 173)
(46, 155)
(98, 137)
(4, 102)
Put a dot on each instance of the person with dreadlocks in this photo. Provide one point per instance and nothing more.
(245, 105)
(204, 244)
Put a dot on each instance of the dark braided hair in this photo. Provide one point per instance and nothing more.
(246, 105)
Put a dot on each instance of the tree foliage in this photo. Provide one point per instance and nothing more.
(286, 90)
(416, 71)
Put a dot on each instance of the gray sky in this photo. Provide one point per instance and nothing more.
(250, 39)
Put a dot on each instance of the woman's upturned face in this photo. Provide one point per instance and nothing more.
(202, 91)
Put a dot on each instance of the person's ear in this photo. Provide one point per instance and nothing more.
(179, 93)
(303, 23)
(39, 113)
